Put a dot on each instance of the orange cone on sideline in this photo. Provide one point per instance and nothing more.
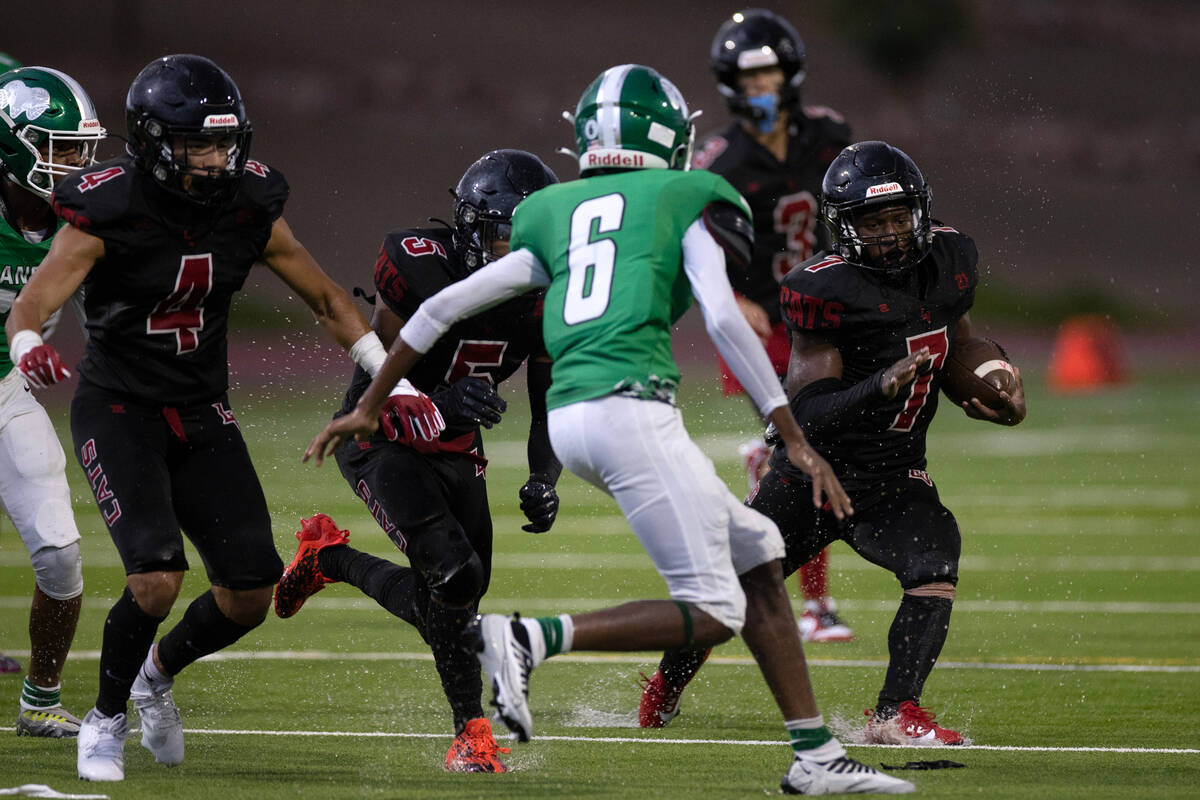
(1087, 355)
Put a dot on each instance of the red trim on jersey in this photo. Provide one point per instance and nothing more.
(824, 111)
(828, 261)
(943, 229)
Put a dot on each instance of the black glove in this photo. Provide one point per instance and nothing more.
(539, 501)
(469, 402)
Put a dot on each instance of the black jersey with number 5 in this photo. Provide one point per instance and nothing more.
(874, 321)
(416, 263)
(158, 301)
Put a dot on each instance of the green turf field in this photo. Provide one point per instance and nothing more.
(1073, 663)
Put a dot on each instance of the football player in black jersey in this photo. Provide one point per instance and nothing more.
(774, 151)
(162, 238)
(872, 325)
(431, 498)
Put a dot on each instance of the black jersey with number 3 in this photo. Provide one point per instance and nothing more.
(158, 301)
(874, 321)
(415, 264)
(782, 196)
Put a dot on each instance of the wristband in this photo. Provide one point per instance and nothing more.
(21, 343)
(368, 353)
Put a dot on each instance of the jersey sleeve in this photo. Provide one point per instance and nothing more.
(97, 201)
(964, 261)
(265, 189)
(806, 296)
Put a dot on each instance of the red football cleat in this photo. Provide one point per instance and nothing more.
(912, 725)
(302, 578)
(660, 701)
(475, 749)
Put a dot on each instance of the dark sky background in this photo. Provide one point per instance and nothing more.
(1063, 136)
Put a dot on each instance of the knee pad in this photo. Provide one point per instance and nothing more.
(461, 585)
(58, 571)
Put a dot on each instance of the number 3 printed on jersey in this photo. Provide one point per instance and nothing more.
(182, 311)
(590, 262)
(918, 391)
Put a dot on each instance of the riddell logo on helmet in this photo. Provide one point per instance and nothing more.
(220, 121)
(611, 159)
(89, 124)
(884, 188)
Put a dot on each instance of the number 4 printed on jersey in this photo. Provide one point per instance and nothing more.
(918, 391)
(182, 311)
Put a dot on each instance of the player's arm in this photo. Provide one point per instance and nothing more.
(335, 311)
(704, 264)
(71, 257)
(822, 401)
(501, 280)
(1014, 409)
(538, 498)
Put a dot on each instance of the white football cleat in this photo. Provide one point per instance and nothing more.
(840, 775)
(503, 650)
(162, 728)
(101, 747)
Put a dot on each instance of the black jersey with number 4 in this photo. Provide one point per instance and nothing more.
(415, 264)
(874, 321)
(158, 301)
(782, 196)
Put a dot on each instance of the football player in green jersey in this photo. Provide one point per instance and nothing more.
(623, 252)
(48, 128)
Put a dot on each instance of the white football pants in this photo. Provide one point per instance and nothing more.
(33, 485)
(699, 536)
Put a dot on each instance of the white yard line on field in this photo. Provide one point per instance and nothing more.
(636, 659)
(650, 740)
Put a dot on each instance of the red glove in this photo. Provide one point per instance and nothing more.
(42, 367)
(410, 417)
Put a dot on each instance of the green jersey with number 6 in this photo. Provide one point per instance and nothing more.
(611, 244)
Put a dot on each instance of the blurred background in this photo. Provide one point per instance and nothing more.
(1063, 135)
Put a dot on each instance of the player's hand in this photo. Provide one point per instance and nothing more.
(1014, 405)
(409, 417)
(356, 424)
(825, 482)
(903, 372)
(539, 501)
(470, 401)
(756, 315)
(43, 367)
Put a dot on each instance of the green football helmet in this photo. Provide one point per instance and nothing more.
(632, 118)
(48, 127)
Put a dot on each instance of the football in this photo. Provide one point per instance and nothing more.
(979, 368)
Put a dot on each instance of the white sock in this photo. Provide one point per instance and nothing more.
(153, 675)
(568, 632)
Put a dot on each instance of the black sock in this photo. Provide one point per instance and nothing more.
(128, 635)
(914, 643)
(388, 584)
(680, 665)
(458, 668)
(203, 630)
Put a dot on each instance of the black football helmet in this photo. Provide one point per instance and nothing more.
(750, 40)
(866, 176)
(486, 196)
(179, 98)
